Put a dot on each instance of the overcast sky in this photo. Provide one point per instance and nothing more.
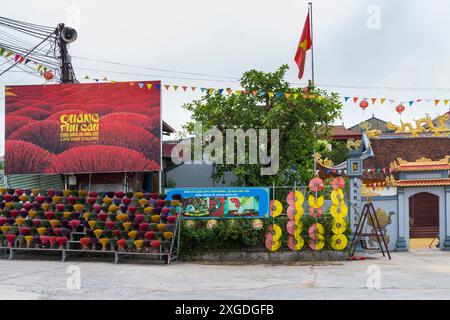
(402, 56)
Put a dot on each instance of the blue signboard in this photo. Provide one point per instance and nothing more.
(210, 203)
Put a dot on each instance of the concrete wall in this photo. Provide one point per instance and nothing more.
(195, 175)
(388, 204)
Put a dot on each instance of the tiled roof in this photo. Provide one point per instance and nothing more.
(424, 167)
(167, 149)
(167, 129)
(410, 149)
(341, 133)
(422, 182)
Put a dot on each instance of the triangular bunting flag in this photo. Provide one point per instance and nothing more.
(141, 85)
(411, 103)
(105, 79)
(373, 100)
(346, 98)
(211, 90)
(220, 91)
(436, 102)
(17, 57)
(86, 77)
(287, 95)
(382, 100)
(355, 99)
(131, 84)
(262, 93)
(255, 92)
(167, 86)
(8, 54)
(158, 87)
(203, 89)
(237, 91)
(27, 60)
(39, 68)
(2, 51)
(229, 91)
(446, 101)
(295, 95)
(175, 88)
(270, 94)
(22, 59)
(193, 88)
(184, 88)
(279, 94)
(149, 85)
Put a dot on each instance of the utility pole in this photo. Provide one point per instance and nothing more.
(64, 36)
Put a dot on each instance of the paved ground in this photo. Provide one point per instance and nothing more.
(420, 274)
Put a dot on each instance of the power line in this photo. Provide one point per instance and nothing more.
(236, 79)
(3, 72)
(27, 23)
(155, 69)
(152, 75)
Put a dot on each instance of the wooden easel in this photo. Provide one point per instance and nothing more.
(369, 211)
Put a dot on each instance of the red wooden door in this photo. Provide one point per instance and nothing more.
(424, 215)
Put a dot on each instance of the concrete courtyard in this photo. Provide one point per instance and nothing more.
(419, 274)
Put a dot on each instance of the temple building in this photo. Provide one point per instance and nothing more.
(405, 173)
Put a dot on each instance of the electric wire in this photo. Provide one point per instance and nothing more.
(151, 75)
(25, 55)
(155, 69)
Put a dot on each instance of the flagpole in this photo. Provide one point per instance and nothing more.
(310, 13)
(312, 40)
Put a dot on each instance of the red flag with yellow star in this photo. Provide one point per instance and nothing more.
(303, 46)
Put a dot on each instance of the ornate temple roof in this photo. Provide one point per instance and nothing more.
(422, 182)
(409, 149)
(422, 164)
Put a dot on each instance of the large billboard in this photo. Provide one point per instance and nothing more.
(83, 128)
(220, 203)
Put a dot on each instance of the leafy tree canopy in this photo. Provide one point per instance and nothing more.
(298, 118)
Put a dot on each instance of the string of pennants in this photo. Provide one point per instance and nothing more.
(368, 170)
(184, 88)
(375, 185)
(167, 87)
(40, 69)
(391, 101)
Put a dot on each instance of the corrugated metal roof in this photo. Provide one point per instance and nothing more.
(31, 181)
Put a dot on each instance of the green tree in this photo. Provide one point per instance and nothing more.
(297, 117)
(338, 153)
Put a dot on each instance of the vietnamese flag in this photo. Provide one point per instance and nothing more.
(303, 46)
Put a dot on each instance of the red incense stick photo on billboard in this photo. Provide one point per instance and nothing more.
(83, 128)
